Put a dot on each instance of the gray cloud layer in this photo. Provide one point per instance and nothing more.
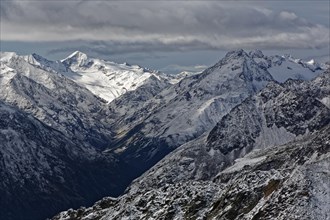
(135, 26)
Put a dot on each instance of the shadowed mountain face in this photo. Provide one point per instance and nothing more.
(52, 144)
(43, 171)
(63, 145)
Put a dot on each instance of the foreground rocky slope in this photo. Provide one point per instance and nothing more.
(285, 182)
(267, 159)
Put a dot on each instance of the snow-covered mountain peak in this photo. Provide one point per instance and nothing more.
(106, 79)
(311, 64)
(234, 54)
(237, 63)
(77, 54)
(77, 58)
(286, 66)
(6, 56)
(36, 59)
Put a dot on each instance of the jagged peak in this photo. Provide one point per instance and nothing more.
(48, 65)
(256, 54)
(79, 58)
(237, 62)
(35, 58)
(291, 58)
(236, 53)
(77, 54)
(231, 55)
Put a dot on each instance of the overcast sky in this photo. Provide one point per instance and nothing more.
(167, 35)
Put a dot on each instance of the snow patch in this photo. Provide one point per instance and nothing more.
(271, 136)
(241, 162)
(326, 101)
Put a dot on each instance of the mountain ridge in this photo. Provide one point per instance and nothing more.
(122, 139)
(284, 178)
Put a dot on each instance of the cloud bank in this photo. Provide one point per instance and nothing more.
(145, 26)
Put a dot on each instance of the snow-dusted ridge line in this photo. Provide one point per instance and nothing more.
(107, 79)
(195, 104)
(285, 66)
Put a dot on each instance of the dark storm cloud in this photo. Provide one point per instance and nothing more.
(144, 26)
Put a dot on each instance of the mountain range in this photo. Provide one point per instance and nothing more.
(227, 143)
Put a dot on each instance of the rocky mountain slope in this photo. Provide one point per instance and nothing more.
(73, 122)
(53, 99)
(280, 113)
(267, 159)
(285, 182)
(43, 171)
(97, 147)
(186, 110)
(52, 141)
(31, 84)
